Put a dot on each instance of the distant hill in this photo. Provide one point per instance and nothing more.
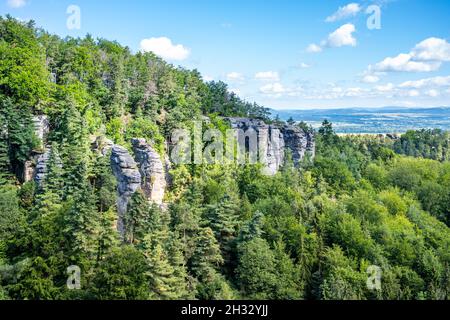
(373, 120)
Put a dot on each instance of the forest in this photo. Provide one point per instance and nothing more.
(229, 232)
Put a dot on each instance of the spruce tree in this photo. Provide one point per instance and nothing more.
(82, 228)
(163, 284)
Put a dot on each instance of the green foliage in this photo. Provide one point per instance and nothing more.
(12, 218)
(122, 276)
(430, 144)
(229, 231)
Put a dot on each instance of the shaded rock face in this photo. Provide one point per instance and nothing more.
(128, 178)
(152, 171)
(35, 167)
(269, 139)
(274, 141)
(41, 167)
(296, 141)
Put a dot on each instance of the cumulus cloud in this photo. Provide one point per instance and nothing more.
(235, 76)
(350, 10)
(273, 89)
(164, 48)
(432, 49)
(267, 76)
(428, 82)
(16, 3)
(413, 93)
(385, 88)
(426, 56)
(370, 78)
(405, 62)
(343, 36)
(432, 93)
(313, 48)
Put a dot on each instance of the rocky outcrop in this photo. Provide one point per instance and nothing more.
(35, 167)
(273, 142)
(270, 142)
(41, 167)
(151, 169)
(126, 171)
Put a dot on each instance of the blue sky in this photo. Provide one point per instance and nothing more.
(264, 49)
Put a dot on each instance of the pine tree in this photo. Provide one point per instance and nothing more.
(205, 264)
(222, 218)
(180, 273)
(4, 152)
(206, 258)
(122, 275)
(50, 193)
(82, 228)
(142, 219)
(16, 137)
(163, 283)
(108, 238)
(253, 229)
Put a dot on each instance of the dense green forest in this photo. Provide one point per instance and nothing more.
(229, 232)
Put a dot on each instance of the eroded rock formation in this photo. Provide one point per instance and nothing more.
(152, 171)
(35, 167)
(126, 171)
(40, 169)
(273, 142)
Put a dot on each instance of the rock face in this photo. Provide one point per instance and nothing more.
(35, 167)
(274, 141)
(270, 142)
(128, 177)
(151, 169)
(41, 167)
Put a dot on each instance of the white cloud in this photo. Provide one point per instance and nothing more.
(428, 82)
(426, 56)
(164, 48)
(313, 48)
(354, 92)
(343, 36)
(413, 93)
(405, 62)
(370, 78)
(432, 49)
(235, 76)
(432, 93)
(385, 88)
(350, 10)
(267, 76)
(17, 3)
(273, 89)
(304, 65)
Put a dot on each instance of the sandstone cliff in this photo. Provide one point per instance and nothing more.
(274, 141)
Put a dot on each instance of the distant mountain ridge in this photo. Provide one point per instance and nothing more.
(372, 120)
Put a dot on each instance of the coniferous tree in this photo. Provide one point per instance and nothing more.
(82, 229)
